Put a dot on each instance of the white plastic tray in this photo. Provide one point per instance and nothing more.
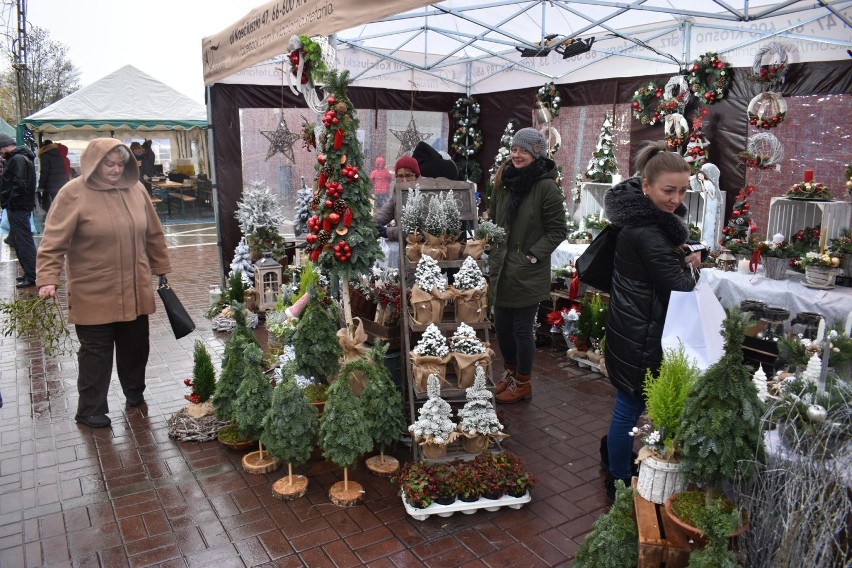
(464, 507)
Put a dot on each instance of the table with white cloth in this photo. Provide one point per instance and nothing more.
(566, 252)
(791, 294)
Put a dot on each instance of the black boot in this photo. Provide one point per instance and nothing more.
(609, 482)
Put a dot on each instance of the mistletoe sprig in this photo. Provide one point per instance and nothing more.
(646, 101)
(40, 320)
(548, 96)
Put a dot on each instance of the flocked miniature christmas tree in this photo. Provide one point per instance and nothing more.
(432, 343)
(413, 213)
(740, 225)
(464, 340)
(289, 430)
(760, 383)
(341, 202)
(428, 275)
(468, 353)
(429, 356)
(315, 339)
(253, 401)
(602, 165)
(452, 215)
(478, 419)
(436, 217)
(344, 434)
(242, 264)
(721, 419)
(434, 425)
(259, 216)
(469, 276)
(813, 369)
(382, 403)
(302, 212)
(233, 367)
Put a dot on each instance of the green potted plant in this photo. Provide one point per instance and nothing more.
(842, 246)
(443, 476)
(519, 480)
(416, 484)
(775, 258)
(487, 233)
(468, 482)
(820, 269)
(660, 472)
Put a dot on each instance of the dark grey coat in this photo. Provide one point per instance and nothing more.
(649, 265)
(538, 229)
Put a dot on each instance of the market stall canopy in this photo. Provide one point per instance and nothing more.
(125, 100)
(482, 46)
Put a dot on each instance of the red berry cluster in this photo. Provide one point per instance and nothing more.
(342, 252)
(333, 189)
(193, 398)
(330, 116)
(766, 123)
(350, 171)
(295, 56)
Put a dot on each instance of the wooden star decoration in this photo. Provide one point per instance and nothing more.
(281, 140)
(409, 138)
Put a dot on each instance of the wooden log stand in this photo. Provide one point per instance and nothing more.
(290, 486)
(661, 541)
(382, 465)
(259, 462)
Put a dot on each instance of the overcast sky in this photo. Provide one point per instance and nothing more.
(160, 37)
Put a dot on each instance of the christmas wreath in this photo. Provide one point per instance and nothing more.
(467, 140)
(465, 111)
(771, 73)
(645, 104)
(674, 103)
(709, 77)
(548, 96)
(767, 110)
(308, 53)
(763, 151)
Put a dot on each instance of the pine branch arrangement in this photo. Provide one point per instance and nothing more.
(469, 276)
(290, 426)
(413, 212)
(602, 164)
(315, 339)
(342, 196)
(203, 373)
(433, 423)
(490, 231)
(613, 542)
(344, 433)
(478, 415)
(720, 424)
(428, 274)
(464, 340)
(432, 343)
(452, 215)
(382, 402)
(254, 395)
(436, 217)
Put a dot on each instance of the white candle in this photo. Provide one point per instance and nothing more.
(742, 266)
(848, 326)
(600, 216)
(820, 330)
(616, 179)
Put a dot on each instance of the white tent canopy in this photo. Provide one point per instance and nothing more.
(473, 46)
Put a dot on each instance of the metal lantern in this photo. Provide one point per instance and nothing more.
(726, 261)
(267, 282)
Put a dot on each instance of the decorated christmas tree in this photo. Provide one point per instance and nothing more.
(242, 264)
(428, 274)
(259, 216)
(467, 138)
(303, 209)
(602, 165)
(290, 426)
(341, 202)
(503, 154)
(740, 225)
(469, 276)
(203, 373)
(254, 395)
(433, 424)
(382, 403)
(721, 418)
(478, 415)
(315, 339)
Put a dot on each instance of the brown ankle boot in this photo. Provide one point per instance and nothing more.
(520, 388)
(507, 377)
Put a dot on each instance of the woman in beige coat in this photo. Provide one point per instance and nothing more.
(105, 225)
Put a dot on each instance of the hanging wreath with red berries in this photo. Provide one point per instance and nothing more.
(645, 102)
(307, 55)
(763, 151)
(771, 73)
(767, 110)
(709, 77)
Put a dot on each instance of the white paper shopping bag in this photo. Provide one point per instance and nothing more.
(694, 319)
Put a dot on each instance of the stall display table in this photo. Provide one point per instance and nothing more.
(733, 287)
(565, 253)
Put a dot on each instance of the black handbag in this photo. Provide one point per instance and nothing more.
(182, 324)
(595, 265)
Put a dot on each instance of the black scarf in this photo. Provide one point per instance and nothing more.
(519, 183)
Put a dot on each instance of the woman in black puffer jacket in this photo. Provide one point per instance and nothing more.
(651, 260)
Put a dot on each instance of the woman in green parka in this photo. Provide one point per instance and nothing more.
(529, 205)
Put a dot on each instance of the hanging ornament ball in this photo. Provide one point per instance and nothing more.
(601, 162)
(760, 335)
(321, 159)
(849, 184)
(816, 413)
(331, 100)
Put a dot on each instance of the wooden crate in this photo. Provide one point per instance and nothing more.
(661, 542)
(390, 335)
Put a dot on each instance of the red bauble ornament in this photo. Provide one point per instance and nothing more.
(331, 100)
(315, 255)
(334, 218)
(321, 159)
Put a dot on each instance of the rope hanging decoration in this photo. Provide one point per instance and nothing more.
(710, 77)
(646, 102)
(553, 139)
(675, 128)
(770, 74)
(547, 103)
(763, 151)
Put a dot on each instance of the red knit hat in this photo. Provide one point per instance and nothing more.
(409, 163)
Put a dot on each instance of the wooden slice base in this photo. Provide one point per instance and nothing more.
(346, 497)
(254, 463)
(286, 491)
(387, 469)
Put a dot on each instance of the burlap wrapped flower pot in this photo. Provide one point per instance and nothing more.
(474, 249)
(465, 365)
(434, 247)
(427, 307)
(454, 250)
(412, 247)
(471, 305)
(353, 349)
(424, 365)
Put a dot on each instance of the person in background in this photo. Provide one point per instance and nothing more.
(52, 174)
(381, 180)
(652, 259)
(406, 170)
(105, 225)
(148, 159)
(17, 197)
(529, 205)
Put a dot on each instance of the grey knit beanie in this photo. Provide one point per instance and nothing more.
(530, 140)
(6, 140)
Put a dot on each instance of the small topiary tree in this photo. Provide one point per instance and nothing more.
(717, 524)
(237, 288)
(382, 402)
(720, 423)
(344, 432)
(614, 540)
(203, 373)
(233, 366)
(254, 396)
(315, 339)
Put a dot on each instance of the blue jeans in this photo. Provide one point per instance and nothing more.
(21, 237)
(625, 415)
(515, 335)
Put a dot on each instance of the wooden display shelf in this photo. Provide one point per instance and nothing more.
(661, 541)
(445, 325)
(444, 264)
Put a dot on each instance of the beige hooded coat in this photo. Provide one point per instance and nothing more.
(112, 239)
